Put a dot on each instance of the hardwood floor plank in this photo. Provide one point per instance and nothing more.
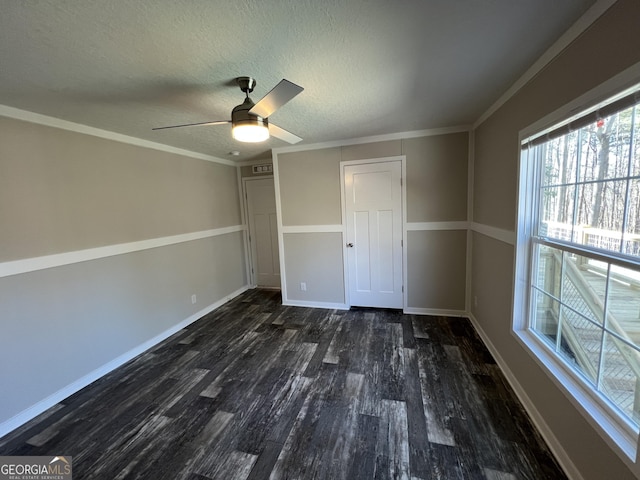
(333, 350)
(392, 384)
(364, 459)
(265, 462)
(235, 465)
(418, 327)
(280, 402)
(416, 420)
(393, 439)
(36, 425)
(437, 399)
(371, 401)
(408, 336)
(495, 475)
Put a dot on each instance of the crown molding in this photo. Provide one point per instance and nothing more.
(54, 122)
(374, 138)
(577, 29)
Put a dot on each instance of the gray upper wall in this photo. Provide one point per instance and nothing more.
(436, 179)
(63, 191)
(310, 187)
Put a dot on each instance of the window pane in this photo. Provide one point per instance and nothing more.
(600, 215)
(635, 158)
(556, 212)
(583, 286)
(605, 153)
(546, 317)
(623, 303)
(560, 160)
(590, 148)
(619, 380)
(631, 243)
(580, 343)
(548, 262)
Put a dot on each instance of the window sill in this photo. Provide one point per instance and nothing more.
(619, 433)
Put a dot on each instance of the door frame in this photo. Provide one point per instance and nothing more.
(403, 174)
(245, 209)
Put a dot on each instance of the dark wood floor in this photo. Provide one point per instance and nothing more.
(256, 390)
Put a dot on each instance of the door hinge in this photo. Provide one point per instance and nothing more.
(402, 288)
(401, 242)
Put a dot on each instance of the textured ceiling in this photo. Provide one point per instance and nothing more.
(368, 67)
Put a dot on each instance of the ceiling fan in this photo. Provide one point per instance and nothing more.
(249, 121)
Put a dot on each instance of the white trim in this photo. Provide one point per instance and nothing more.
(343, 213)
(425, 226)
(547, 434)
(373, 139)
(48, 402)
(579, 27)
(276, 185)
(16, 267)
(326, 305)
(469, 250)
(245, 219)
(405, 237)
(312, 229)
(39, 119)
(242, 193)
(506, 236)
(435, 312)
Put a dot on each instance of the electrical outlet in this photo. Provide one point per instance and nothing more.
(193, 299)
(303, 286)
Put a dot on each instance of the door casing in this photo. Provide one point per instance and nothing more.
(251, 245)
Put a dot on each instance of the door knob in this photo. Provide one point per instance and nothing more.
(349, 245)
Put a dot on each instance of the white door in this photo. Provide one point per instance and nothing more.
(373, 206)
(263, 232)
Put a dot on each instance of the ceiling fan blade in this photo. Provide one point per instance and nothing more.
(283, 134)
(201, 124)
(277, 97)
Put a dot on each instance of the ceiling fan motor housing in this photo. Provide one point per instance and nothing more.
(240, 115)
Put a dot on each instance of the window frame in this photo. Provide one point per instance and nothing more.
(614, 427)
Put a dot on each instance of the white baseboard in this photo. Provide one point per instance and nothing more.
(436, 312)
(48, 402)
(552, 442)
(302, 303)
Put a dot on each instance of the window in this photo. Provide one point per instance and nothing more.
(578, 258)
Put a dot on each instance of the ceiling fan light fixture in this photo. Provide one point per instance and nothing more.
(247, 127)
(251, 132)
